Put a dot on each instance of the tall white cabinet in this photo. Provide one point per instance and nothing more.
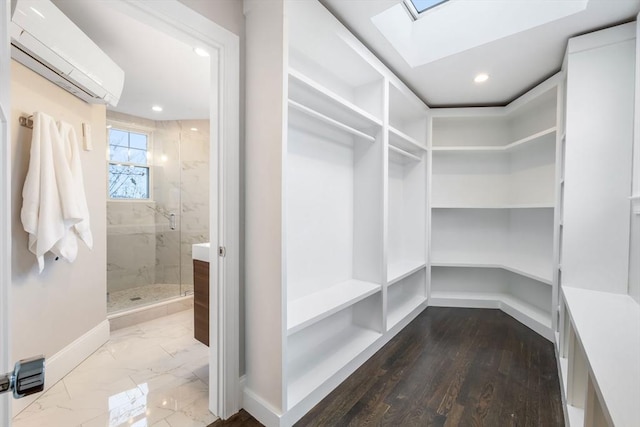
(598, 342)
(493, 195)
(336, 215)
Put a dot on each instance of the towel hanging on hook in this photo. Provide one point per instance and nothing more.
(54, 207)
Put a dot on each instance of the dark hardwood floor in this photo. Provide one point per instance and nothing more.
(449, 367)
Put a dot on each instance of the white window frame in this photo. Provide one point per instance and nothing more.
(126, 127)
(414, 12)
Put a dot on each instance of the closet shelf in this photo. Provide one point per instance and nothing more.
(306, 92)
(310, 309)
(532, 316)
(403, 141)
(512, 267)
(614, 367)
(399, 270)
(328, 120)
(311, 369)
(402, 309)
(537, 138)
(402, 156)
(492, 206)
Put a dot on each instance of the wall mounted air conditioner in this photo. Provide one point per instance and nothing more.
(46, 41)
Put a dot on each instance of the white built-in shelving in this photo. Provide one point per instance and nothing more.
(602, 381)
(493, 199)
(309, 309)
(306, 92)
(344, 203)
(598, 332)
(406, 205)
(537, 138)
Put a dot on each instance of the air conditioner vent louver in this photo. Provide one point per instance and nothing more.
(84, 69)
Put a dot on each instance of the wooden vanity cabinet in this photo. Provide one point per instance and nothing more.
(201, 301)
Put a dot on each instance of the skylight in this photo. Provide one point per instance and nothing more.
(420, 6)
(418, 37)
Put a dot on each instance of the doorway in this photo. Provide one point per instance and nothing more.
(175, 18)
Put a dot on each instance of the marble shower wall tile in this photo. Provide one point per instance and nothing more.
(142, 249)
(195, 175)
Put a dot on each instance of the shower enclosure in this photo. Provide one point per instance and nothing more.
(158, 206)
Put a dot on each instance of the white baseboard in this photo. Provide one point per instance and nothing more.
(260, 409)
(63, 362)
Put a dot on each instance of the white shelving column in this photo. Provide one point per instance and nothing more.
(336, 207)
(406, 206)
(333, 205)
(598, 346)
(492, 207)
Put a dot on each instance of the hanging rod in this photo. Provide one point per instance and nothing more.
(26, 121)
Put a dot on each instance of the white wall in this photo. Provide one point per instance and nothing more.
(264, 208)
(227, 13)
(5, 198)
(634, 259)
(55, 308)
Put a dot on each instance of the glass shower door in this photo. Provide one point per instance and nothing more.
(149, 241)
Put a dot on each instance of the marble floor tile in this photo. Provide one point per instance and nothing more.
(151, 374)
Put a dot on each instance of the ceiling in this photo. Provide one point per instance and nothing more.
(159, 69)
(516, 55)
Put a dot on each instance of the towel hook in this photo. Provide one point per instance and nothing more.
(26, 121)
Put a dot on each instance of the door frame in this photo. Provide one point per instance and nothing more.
(174, 18)
(178, 20)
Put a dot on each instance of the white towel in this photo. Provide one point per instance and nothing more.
(77, 195)
(53, 194)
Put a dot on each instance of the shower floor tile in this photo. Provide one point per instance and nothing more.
(145, 295)
(153, 373)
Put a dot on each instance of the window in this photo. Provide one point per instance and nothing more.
(128, 165)
(416, 7)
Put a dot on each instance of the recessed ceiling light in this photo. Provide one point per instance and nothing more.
(200, 51)
(194, 129)
(481, 78)
(156, 108)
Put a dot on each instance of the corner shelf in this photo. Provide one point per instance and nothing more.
(304, 91)
(307, 310)
(536, 138)
(523, 206)
(520, 270)
(528, 314)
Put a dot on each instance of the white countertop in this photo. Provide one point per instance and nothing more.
(607, 326)
(200, 251)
